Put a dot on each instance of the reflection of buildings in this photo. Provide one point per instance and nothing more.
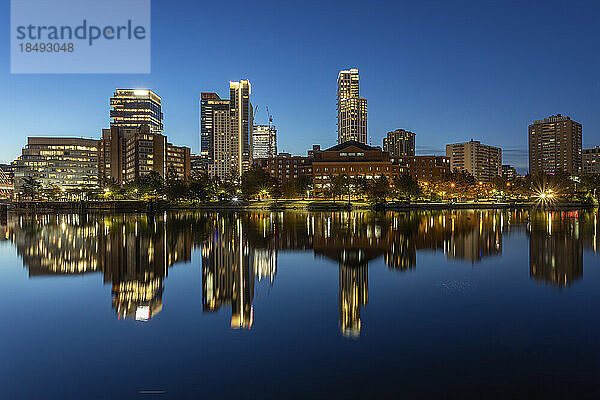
(227, 276)
(354, 293)
(133, 252)
(555, 248)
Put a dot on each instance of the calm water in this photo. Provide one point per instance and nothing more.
(464, 304)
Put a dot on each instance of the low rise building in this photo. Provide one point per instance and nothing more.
(509, 172)
(60, 162)
(591, 160)
(353, 159)
(286, 167)
(425, 168)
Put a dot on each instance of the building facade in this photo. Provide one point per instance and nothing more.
(226, 131)
(351, 108)
(264, 141)
(509, 172)
(286, 167)
(555, 146)
(591, 161)
(128, 154)
(425, 168)
(55, 162)
(353, 159)
(132, 108)
(399, 143)
(482, 161)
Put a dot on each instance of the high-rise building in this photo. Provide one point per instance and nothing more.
(241, 126)
(399, 143)
(210, 103)
(482, 161)
(67, 163)
(555, 146)
(226, 131)
(132, 108)
(351, 108)
(264, 141)
(591, 160)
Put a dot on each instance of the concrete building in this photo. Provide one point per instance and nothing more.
(226, 131)
(61, 162)
(509, 172)
(353, 159)
(351, 108)
(482, 161)
(591, 160)
(425, 168)
(555, 146)
(264, 141)
(132, 108)
(399, 143)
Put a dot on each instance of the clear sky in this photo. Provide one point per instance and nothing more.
(448, 70)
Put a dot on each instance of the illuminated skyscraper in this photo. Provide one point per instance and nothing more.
(132, 108)
(351, 108)
(555, 146)
(226, 131)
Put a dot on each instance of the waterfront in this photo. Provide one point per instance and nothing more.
(425, 304)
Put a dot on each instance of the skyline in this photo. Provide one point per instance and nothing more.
(496, 78)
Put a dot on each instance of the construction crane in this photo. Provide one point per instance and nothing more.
(270, 117)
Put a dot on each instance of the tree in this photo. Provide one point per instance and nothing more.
(254, 181)
(379, 189)
(31, 187)
(406, 186)
(339, 184)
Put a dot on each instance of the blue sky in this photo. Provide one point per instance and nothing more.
(449, 71)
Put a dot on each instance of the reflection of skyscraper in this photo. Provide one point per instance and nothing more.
(555, 249)
(227, 276)
(353, 293)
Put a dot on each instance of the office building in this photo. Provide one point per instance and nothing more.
(226, 131)
(425, 168)
(66, 163)
(132, 108)
(555, 146)
(264, 141)
(351, 108)
(591, 160)
(128, 154)
(399, 143)
(482, 161)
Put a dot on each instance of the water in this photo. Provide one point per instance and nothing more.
(463, 304)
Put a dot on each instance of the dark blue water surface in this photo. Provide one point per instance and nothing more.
(440, 304)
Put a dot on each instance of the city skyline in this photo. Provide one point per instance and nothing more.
(479, 81)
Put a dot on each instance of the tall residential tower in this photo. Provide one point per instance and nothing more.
(555, 146)
(351, 108)
(482, 161)
(399, 143)
(226, 131)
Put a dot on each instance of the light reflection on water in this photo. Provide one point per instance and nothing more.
(237, 252)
